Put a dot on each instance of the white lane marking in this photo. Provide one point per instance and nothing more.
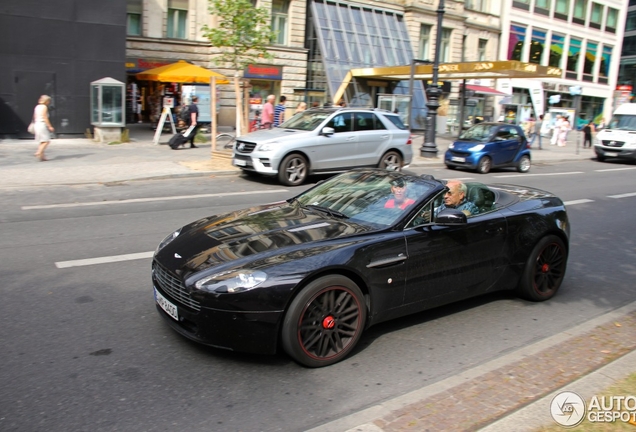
(103, 260)
(539, 175)
(575, 202)
(625, 195)
(615, 169)
(141, 200)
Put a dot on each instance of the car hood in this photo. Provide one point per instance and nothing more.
(271, 134)
(465, 145)
(263, 231)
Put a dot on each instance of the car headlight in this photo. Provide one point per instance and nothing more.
(267, 147)
(168, 239)
(451, 146)
(234, 281)
(478, 147)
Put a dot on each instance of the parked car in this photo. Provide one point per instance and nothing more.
(325, 140)
(490, 145)
(617, 141)
(311, 273)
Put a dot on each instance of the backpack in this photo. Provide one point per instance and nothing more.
(184, 114)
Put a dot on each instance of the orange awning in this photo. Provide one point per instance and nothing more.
(182, 72)
(484, 90)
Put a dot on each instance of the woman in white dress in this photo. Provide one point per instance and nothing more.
(43, 127)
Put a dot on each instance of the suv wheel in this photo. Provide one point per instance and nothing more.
(391, 161)
(293, 170)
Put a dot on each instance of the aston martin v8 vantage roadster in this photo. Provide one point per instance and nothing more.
(311, 273)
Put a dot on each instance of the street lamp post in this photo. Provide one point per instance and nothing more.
(433, 93)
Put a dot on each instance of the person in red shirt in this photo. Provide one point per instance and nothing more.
(399, 200)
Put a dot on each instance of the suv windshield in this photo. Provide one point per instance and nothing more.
(623, 121)
(480, 132)
(306, 120)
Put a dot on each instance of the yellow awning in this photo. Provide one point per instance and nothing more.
(182, 72)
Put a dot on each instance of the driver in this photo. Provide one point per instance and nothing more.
(399, 200)
(455, 197)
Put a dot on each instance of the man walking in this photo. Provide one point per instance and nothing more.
(279, 112)
(193, 110)
(537, 130)
(267, 118)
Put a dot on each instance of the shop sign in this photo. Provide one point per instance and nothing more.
(624, 87)
(263, 72)
(140, 65)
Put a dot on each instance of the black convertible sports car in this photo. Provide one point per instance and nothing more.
(311, 273)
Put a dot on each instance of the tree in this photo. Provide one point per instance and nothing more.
(243, 33)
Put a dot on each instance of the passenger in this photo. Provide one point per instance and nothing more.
(455, 197)
(399, 200)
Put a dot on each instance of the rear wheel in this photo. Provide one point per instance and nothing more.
(484, 165)
(324, 322)
(391, 161)
(524, 164)
(293, 170)
(545, 270)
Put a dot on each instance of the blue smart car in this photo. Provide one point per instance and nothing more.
(490, 145)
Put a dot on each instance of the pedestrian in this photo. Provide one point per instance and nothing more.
(267, 118)
(193, 110)
(301, 107)
(556, 129)
(563, 131)
(588, 129)
(279, 111)
(537, 131)
(42, 126)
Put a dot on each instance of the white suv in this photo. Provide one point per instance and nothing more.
(325, 140)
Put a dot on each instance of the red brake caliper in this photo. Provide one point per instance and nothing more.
(545, 268)
(329, 322)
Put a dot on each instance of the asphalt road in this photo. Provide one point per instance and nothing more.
(84, 349)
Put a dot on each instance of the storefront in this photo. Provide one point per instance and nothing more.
(144, 98)
(264, 80)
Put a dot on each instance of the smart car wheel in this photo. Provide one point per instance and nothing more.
(293, 170)
(484, 165)
(391, 160)
(324, 322)
(524, 164)
(544, 270)
(600, 158)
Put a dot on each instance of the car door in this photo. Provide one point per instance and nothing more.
(446, 263)
(337, 150)
(373, 138)
(505, 145)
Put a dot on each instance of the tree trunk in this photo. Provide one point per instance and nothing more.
(239, 103)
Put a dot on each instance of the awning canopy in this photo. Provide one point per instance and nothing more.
(484, 90)
(182, 72)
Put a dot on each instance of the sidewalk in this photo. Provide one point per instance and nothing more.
(83, 161)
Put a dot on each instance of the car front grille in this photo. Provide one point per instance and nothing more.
(612, 143)
(173, 286)
(245, 146)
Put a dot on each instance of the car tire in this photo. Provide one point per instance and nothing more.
(484, 165)
(524, 164)
(293, 170)
(391, 160)
(600, 158)
(545, 270)
(451, 167)
(324, 322)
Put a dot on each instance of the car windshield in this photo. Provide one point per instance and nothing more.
(480, 132)
(306, 120)
(623, 122)
(374, 198)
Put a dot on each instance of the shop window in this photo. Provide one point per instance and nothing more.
(280, 17)
(542, 7)
(516, 41)
(444, 54)
(562, 9)
(589, 61)
(177, 19)
(630, 23)
(425, 42)
(605, 64)
(574, 52)
(596, 17)
(580, 12)
(537, 45)
(556, 50)
(133, 17)
(482, 49)
(612, 20)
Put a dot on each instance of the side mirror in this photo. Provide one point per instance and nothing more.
(451, 217)
(327, 131)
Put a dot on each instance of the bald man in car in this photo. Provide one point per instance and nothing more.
(455, 197)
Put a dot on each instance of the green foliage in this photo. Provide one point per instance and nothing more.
(243, 31)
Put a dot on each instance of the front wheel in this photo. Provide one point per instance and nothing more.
(391, 161)
(524, 164)
(293, 170)
(484, 165)
(324, 322)
(545, 270)
(600, 158)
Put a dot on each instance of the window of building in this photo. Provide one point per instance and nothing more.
(574, 52)
(630, 23)
(629, 46)
(280, 12)
(133, 17)
(444, 53)
(537, 45)
(612, 20)
(542, 7)
(580, 11)
(596, 17)
(606, 58)
(556, 50)
(521, 4)
(482, 49)
(177, 19)
(589, 61)
(562, 9)
(515, 42)
(425, 42)
(477, 5)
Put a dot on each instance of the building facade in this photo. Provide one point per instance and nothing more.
(627, 72)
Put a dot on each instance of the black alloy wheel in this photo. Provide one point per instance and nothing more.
(391, 160)
(545, 270)
(293, 170)
(484, 165)
(324, 322)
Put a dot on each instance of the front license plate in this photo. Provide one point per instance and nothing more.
(458, 159)
(239, 162)
(168, 307)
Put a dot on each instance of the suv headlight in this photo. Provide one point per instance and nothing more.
(234, 281)
(167, 240)
(267, 147)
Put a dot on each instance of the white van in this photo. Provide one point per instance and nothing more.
(618, 139)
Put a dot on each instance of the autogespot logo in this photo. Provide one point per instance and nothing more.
(567, 409)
